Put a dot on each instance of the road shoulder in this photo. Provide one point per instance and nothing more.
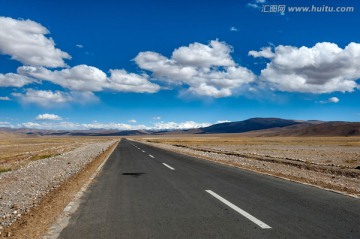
(38, 220)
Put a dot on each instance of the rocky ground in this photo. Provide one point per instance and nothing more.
(308, 164)
(22, 189)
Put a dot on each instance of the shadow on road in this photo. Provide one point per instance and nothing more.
(136, 175)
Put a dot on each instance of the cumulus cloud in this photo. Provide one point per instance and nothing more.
(197, 54)
(233, 29)
(26, 41)
(79, 78)
(45, 98)
(204, 89)
(79, 46)
(120, 80)
(206, 70)
(4, 98)
(164, 68)
(91, 79)
(48, 117)
(265, 52)
(181, 125)
(14, 80)
(52, 125)
(333, 100)
(64, 125)
(323, 68)
(118, 126)
(51, 99)
(330, 100)
(132, 121)
(83, 97)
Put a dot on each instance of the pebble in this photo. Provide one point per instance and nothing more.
(22, 189)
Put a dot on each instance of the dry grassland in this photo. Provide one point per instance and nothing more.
(334, 151)
(17, 151)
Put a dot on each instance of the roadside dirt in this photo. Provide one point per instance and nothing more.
(35, 223)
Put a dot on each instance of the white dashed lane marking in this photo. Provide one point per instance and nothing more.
(239, 210)
(168, 166)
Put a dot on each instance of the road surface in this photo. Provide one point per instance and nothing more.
(147, 192)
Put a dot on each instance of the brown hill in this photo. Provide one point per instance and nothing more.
(306, 129)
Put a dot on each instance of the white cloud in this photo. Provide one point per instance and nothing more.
(207, 70)
(84, 97)
(118, 126)
(120, 80)
(48, 117)
(182, 125)
(79, 46)
(44, 98)
(51, 122)
(256, 3)
(14, 80)
(265, 52)
(79, 78)
(64, 125)
(165, 68)
(253, 5)
(323, 68)
(6, 124)
(156, 126)
(204, 89)
(52, 125)
(157, 118)
(25, 41)
(197, 54)
(91, 79)
(333, 100)
(233, 29)
(4, 98)
(222, 121)
(330, 100)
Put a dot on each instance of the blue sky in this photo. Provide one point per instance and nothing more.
(175, 64)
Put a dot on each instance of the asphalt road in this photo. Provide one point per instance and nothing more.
(146, 192)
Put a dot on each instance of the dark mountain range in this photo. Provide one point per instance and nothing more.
(248, 125)
(252, 127)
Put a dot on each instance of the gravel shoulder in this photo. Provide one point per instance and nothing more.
(24, 189)
(332, 177)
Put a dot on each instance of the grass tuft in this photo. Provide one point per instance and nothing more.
(42, 156)
(4, 170)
